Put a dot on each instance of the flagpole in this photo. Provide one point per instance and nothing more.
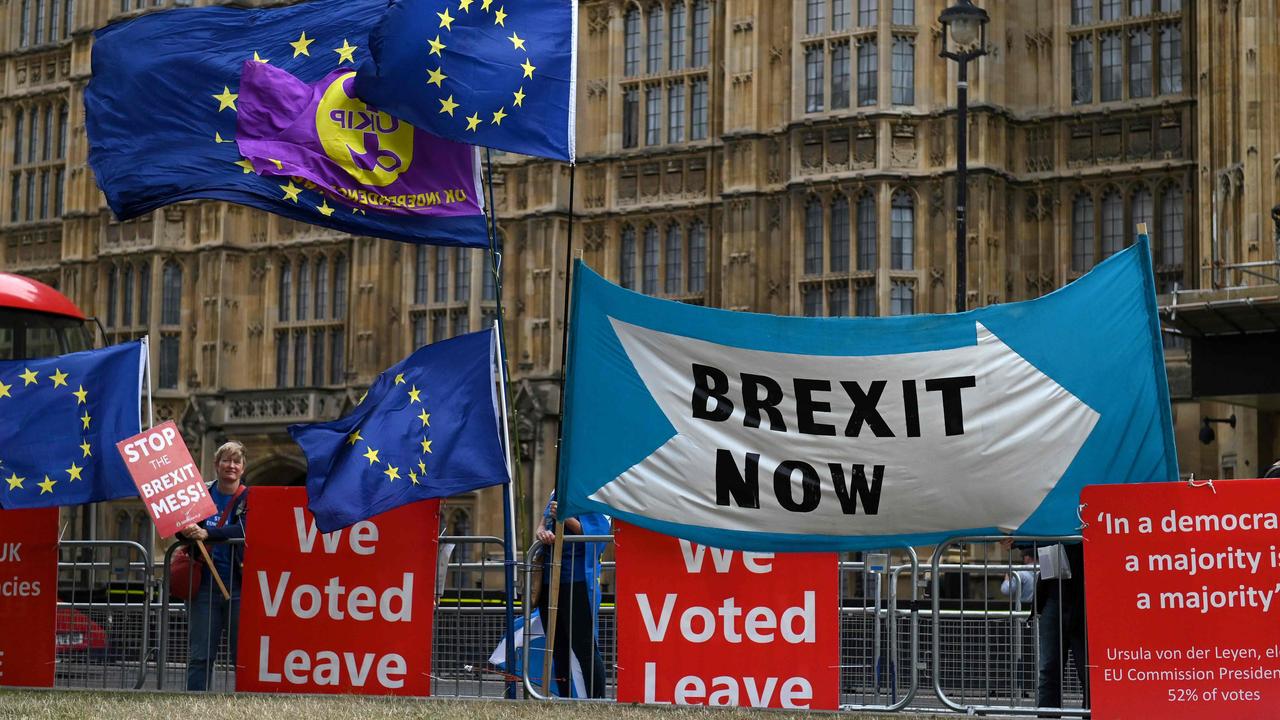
(557, 555)
(504, 369)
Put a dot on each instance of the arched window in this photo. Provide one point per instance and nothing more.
(627, 258)
(904, 12)
(902, 298)
(840, 234)
(631, 42)
(902, 231)
(653, 60)
(676, 52)
(40, 16)
(144, 293)
(24, 24)
(462, 274)
(17, 138)
(813, 237)
(1082, 233)
(304, 289)
(649, 274)
(340, 287)
(673, 283)
(1171, 240)
(285, 296)
(867, 240)
(904, 71)
(441, 292)
(1113, 233)
(322, 288)
(113, 288)
(62, 131)
(697, 257)
(126, 301)
(68, 16)
(701, 34)
(815, 16)
(55, 15)
(171, 295)
(46, 137)
(1142, 209)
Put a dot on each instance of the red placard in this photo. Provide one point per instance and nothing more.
(28, 596)
(344, 612)
(168, 480)
(702, 626)
(1182, 584)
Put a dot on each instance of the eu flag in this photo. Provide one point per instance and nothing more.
(427, 428)
(62, 417)
(479, 71)
(172, 114)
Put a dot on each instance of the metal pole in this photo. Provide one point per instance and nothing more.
(962, 160)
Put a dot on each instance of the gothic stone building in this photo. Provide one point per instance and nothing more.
(780, 156)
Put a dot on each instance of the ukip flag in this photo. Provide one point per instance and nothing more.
(498, 73)
(172, 114)
(62, 417)
(427, 428)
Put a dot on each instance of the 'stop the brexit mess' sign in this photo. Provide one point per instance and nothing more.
(762, 432)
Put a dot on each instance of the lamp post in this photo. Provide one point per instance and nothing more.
(966, 24)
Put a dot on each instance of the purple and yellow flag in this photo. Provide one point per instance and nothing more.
(353, 153)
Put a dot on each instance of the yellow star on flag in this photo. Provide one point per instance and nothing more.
(446, 21)
(517, 42)
(425, 417)
(226, 99)
(426, 445)
(436, 46)
(47, 485)
(291, 191)
(473, 122)
(346, 53)
(422, 468)
(324, 208)
(81, 395)
(436, 78)
(392, 472)
(415, 480)
(259, 58)
(28, 377)
(498, 115)
(85, 447)
(484, 5)
(413, 477)
(301, 44)
(372, 455)
(279, 165)
(528, 68)
(85, 419)
(447, 105)
(399, 378)
(246, 164)
(15, 482)
(499, 16)
(519, 94)
(465, 5)
(74, 471)
(354, 438)
(59, 378)
(4, 390)
(217, 138)
(414, 395)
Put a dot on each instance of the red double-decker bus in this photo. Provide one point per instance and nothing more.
(38, 321)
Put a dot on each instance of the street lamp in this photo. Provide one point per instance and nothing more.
(967, 26)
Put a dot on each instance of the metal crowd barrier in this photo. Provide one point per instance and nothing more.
(901, 629)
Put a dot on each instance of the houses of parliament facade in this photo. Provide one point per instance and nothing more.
(779, 156)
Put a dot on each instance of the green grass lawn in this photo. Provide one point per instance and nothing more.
(97, 705)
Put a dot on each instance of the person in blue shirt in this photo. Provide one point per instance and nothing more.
(209, 614)
(579, 599)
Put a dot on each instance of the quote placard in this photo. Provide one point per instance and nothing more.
(1182, 582)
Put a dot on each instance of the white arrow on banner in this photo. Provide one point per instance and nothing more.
(969, 437)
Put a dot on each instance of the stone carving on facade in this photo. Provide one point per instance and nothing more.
(937, 197)
(936, 276)
(598, 20)
(594, 237)
(774, 160)
(864, 144)
(774, 213)
(937, 141)
(904, 143)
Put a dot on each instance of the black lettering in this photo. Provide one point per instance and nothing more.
(870, 497)
(864, 409)
(753, 404)
(743, 489)
(912, 406)
(810, 491)
(806, 406)
(952, 412)
(708, 383)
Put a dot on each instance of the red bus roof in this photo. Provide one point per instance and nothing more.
(18, 291)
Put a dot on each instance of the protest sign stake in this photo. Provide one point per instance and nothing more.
(213, 570)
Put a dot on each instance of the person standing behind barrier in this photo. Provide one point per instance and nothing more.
(209, 614)
(579, 599)
(1060, 606)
